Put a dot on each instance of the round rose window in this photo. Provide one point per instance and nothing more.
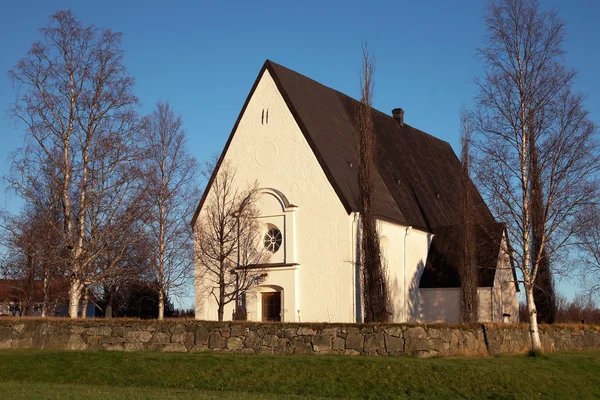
(272, 240)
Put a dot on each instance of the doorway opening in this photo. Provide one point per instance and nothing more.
(271, 306)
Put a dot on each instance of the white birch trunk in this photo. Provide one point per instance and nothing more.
(74, 297)
(161, 304)
(536, 343)
(46, 286)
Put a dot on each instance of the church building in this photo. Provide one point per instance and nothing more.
(298, 139)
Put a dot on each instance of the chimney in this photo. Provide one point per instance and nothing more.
(398, 115)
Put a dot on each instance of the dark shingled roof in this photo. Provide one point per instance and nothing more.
(417, 178)
(441, 267)
(418, 175)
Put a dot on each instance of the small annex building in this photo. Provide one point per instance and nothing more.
(297, 139)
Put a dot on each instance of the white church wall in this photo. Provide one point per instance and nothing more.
(404, 282)
(439, 305)
(501, 299)
(486, 313)
(443, 305)
(276, 154)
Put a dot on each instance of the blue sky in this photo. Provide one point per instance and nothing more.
(203, 56)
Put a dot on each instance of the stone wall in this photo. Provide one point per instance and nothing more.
(254, 338)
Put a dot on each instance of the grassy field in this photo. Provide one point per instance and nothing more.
(99, 375)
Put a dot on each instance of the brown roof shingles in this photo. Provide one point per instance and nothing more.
(417, 177)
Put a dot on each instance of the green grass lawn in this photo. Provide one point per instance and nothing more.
(115, 375)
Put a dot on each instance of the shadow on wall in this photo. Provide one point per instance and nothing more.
(395, 300)
(414, 301)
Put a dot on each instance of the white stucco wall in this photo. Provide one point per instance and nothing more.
(485, 304)
(500, 299)
(277, 155)
(439, 305)
(404, 282)
(443, 305)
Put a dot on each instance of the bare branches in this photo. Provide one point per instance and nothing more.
(228, 245)
(374, 282)
(75, 99)
(170, 172)
(32, 260)
(468, 270)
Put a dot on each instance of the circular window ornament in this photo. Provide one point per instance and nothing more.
(266, 153)
(272, 240)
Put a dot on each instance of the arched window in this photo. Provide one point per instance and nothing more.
(277, 226)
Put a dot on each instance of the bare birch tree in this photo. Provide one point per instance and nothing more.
(228, 244)
(171, 172)
(468, 270)
(525, 102)
(75, 99)
(374, 282)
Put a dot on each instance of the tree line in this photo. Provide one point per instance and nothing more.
(107, 191)
(582, 309)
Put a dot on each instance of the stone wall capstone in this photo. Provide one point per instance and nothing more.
(256, 338)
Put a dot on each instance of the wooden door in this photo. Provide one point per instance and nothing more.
(271, 307)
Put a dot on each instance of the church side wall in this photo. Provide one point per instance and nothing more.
(404, 283)
(485, 304)
(443, 305)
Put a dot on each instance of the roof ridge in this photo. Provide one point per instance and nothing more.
(277, 65)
